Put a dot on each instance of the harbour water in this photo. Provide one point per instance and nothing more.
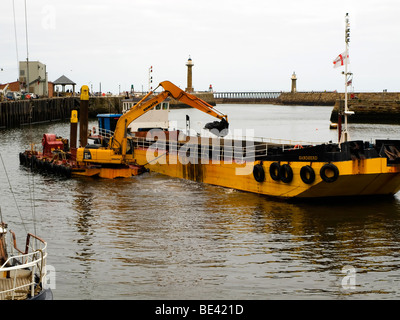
(160, 238)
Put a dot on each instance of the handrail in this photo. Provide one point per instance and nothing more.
(30, 259)
(27, 241)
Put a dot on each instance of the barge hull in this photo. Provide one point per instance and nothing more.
(356, 177)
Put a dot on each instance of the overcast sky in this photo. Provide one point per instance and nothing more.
(252, 45)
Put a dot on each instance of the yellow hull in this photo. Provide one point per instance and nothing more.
(356, 177)
(108, 173)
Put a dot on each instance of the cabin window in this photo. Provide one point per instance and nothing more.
(158, 107)
(165, 106)
(129, 147)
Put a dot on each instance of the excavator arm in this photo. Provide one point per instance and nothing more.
(118, 142)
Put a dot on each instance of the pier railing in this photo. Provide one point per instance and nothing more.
(246, 95)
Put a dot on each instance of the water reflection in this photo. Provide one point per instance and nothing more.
(155, 237)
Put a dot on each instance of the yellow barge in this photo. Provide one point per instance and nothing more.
(286, 171)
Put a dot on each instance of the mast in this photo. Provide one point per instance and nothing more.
(345, 134)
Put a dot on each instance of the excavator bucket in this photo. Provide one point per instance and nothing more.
(219, 128)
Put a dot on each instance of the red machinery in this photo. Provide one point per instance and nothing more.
(51, 143)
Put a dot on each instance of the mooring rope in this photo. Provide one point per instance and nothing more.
(12, 192)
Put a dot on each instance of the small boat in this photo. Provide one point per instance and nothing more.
(22, 272)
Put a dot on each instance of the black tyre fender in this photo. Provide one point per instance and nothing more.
(274, 171)
(40, 164)
(47, 166)
(21, 158)
(68, 172)
(59, 170)
(33, 162)
(258, 173)
(331, 167)
(307, 174)
(286, 173)
(24, 159)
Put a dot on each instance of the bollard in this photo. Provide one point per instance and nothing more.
(83, 123)
(73, 133)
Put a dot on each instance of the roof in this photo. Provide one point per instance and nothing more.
(63, 80)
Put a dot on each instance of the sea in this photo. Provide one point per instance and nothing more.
(152, 237)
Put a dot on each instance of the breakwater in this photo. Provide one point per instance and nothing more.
(369, 107)
(282, 98)
(206, 96)
(376, 107)
(369, 111)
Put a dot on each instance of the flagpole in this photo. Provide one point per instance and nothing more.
(345, 134)
(346, 105)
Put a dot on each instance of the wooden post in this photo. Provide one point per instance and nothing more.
(83, 123)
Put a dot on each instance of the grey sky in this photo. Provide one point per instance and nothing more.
(252, 45)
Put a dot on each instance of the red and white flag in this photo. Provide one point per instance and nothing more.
(340, 60)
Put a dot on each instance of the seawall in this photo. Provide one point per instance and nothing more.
(206, 96)
(369, 107)
(374, 107)
(370, 111)
(26, 112)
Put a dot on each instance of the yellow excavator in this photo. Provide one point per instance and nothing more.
(119, 150)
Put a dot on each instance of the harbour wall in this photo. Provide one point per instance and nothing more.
(375, 107)
(28, 112)
(206, 96)
(314, 98)
(368, 107)
(369, 111)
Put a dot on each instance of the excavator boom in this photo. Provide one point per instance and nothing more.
(116, 154)
(118, 142)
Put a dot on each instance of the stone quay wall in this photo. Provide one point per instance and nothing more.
(374, 107)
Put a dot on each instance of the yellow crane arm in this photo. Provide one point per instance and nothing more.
(191, 100)
(170, 90)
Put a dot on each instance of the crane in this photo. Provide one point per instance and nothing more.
(119, 151)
